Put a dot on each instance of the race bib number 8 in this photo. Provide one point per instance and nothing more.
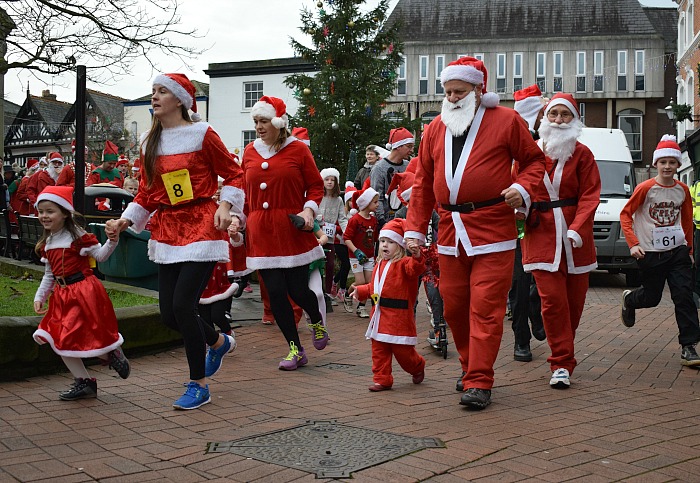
(178, 185)
(667, 237)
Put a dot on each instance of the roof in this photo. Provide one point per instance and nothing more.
(109, 106)
(286, 65)
(53, 112)
(433, 20)
(11, 109)
(665, 21)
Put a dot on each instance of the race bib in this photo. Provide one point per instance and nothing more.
(329, 230)
(178, 185)
(667, 237)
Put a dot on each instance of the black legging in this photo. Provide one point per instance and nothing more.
(341, 278)
(217, 313)
(294, 282)
(180, 286)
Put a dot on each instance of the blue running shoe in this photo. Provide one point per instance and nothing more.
(194, 397)
(216, 356)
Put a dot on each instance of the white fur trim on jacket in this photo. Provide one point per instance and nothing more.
(236, 197)
(313, 205)
(137, 215)
(261, 263)
(575, 238)
(201, 251)
(395, 339)
(43, 337)
(264, 150)
(220, 296)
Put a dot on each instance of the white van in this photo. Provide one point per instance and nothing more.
(611, 152)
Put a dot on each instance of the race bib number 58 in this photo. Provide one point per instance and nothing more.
(668, 237)
(178, 185)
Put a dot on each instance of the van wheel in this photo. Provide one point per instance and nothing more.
(633, 279)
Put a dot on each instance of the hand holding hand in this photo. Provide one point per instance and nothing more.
(222, 217)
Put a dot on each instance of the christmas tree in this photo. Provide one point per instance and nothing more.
(357, 57)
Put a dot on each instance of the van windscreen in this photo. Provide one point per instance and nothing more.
(617, 179)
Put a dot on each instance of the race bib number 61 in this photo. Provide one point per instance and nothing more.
(178, 185)
(667, 237)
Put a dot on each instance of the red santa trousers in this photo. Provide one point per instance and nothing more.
(563, 296)
(474, 292)
(267, 311)
(406, 355)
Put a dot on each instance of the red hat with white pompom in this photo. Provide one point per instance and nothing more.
(394, 230)
(349, 190)
(272, 108)
(473, 71)
(182, 88)
(302, 134)
(667, 148)
(400, 136)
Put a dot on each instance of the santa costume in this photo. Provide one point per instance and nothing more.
(44, 178)
(558, 246)
(477, 235)
(392, 325)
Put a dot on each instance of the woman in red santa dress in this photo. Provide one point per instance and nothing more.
(282, 179)
(558, 245)
(181, 159)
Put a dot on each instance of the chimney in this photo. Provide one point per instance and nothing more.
(46, 94)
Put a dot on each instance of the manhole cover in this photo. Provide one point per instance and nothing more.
(329, 449)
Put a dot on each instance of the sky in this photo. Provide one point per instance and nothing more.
(232, 30)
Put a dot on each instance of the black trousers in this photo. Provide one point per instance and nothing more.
(294, 282)
(674, 267)
(341, 278)
(524, 301)
(217, 313)
(179, 286)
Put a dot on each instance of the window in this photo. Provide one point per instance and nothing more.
(558, 71)
(252, 92)
(401, 83)
(426, 117)
(638, 70)
(689, 24)
(681, 34)
(621, 70)
(501, 73)
(580, 72)
(248, 137)
(517, 71)
(541, 70)
(439, 65)
(582, 111)
(479, 57)
(630, 121)
(423, 80)
(598, 66)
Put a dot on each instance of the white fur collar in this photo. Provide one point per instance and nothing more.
(264, 150)
(62, 239)
(180, 140)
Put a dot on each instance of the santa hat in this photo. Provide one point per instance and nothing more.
(61, 195)
(349, 190)
(32, 162)
(55, 157)
(412, 165)
(528, 103)
(137, 165)
(403, 182)
(302, 135)
(123, 160)
(566, 100)
(362, 199)
(473, 71)
(272, 108)
(43, 161)
(394, 230)
(110, 152)
(182, 88)
(667, 148)
(326, 172)
(400, 136)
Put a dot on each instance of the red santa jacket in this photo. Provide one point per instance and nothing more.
(37, 183)
(397, 281)
(545, 239)
(276, 185)
(218, 287)
(496, 137)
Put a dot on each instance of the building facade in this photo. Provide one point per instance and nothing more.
(688, 69)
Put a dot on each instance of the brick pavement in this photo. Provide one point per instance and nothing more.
(631, 413)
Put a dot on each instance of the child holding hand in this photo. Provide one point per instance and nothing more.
(393, 289)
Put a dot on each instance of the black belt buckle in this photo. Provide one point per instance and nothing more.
(61, 282)
(467, 207)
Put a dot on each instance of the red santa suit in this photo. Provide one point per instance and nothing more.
(40, 180)
(476, 249)
(392, 325)
(67, 177)
(20, 202)
(182, 228)
(559, 266)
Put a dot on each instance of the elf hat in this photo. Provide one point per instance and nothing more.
(566, 100)
(182, 88)
(528, 103)
(400, 136)
(667, 148)
(302, 135)
(473, 71)
(394, 230)
(272, 108)
(362, 199)
(61, 195)
(326, 172)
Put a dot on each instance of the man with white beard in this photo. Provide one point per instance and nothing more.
(44, 178)
(464, 164)
(558, 245)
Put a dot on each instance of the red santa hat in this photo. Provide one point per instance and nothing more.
(394, 230)
(667, 148)
(473, 71)
(362, 199)
(123, 160)
(182, 88)
(272, 108)
(61, 195)
(326, 172)
(349, 190)
(302, 135)
(400, 136)
(566, 100)
(403, 182)
(54, 156)
(32, 162)
(110, 152)
(528, 103)
(137, 165)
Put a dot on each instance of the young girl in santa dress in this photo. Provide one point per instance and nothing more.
(74, 328)
(393, 289)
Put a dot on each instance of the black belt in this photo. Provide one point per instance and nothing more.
(70, 279)
(392, 303)
(471, 206)
(543, 206)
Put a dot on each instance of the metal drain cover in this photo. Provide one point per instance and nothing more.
(329, 449)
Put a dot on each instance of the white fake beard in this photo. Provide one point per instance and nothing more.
(560, 139)
(52, 172)
(458, 116)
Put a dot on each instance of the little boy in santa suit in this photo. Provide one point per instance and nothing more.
(558, 245)
(393, 289)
